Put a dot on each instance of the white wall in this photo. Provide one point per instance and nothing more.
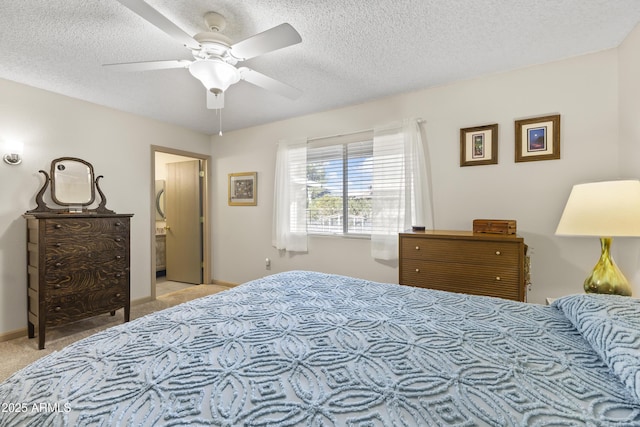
(629, 60)
(118, 146)
(584, 90)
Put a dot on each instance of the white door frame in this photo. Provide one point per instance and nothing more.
(206, 241)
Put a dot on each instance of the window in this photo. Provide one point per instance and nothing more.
(371, 183)
(339, 184)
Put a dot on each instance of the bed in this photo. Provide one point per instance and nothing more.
(312, 349)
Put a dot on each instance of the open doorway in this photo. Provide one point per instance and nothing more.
(180, 242)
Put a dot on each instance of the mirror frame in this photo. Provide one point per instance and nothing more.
(73, 208)
(91, 183)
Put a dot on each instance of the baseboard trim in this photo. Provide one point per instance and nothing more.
(223, 283)
(141, 300)
(8, 336)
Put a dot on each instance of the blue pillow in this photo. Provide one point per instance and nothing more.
(611, 325)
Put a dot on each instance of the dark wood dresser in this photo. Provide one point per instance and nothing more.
(77, 267)
(465, 262)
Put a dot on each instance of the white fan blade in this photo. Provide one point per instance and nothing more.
(276, 38)
(149, 65)
(156, 18)
(268, 83)
(215, 102)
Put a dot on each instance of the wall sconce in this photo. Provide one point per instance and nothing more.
(14, 155)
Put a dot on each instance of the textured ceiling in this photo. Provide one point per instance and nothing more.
(351, 51)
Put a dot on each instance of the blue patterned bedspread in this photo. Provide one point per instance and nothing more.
(310, 349)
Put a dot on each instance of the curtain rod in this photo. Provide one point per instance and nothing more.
(419, 120)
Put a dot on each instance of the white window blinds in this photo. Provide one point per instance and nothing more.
(339, 171)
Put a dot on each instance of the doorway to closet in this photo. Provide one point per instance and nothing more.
(180, 247)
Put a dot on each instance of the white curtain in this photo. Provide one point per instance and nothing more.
(401, 193)
(289, 231)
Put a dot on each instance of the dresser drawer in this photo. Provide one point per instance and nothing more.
(86, 261)
(85, 226)
(477, 252)
(498, 281)
(71, 307)
(62, 244)
(85, 281)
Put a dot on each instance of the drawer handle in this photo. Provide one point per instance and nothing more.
(417, 270)
(118, 257)
(118, 239)
(118, 295)
(58, 264)
(58, 226)
(417, 248)
(58, 308)
(118, 275)
(57, 245)
(56, 286)
(498, 278)
(118, 224)
(497, 252)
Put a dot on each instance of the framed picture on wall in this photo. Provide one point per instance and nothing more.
(538, 138)
(243, 189)
(479, 145)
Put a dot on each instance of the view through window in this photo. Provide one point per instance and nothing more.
(339, 181)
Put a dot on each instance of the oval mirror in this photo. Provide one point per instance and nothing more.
(160, 200)
(72, 182)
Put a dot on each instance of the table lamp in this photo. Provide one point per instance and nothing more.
(604, 209)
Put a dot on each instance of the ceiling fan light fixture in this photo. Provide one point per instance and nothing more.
(215, 74)
(214, 55)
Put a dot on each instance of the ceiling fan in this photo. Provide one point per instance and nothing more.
(214, 55)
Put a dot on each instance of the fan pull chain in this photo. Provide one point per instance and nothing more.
(220, 123)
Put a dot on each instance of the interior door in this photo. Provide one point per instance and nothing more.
(183, 218)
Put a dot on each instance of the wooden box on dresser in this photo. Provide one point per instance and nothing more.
(464, 262)
(77, 267)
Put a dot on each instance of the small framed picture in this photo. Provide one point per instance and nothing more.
(479, 145)
(243, 189)
(538, 138)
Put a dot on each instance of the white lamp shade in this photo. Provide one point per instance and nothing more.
(215, 74)
(604, 209)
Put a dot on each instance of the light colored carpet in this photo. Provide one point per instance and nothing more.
(20, 352)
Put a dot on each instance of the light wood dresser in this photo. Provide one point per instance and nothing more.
(77, 267)
(464, 262)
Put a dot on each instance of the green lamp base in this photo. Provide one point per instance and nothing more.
(606, 277)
